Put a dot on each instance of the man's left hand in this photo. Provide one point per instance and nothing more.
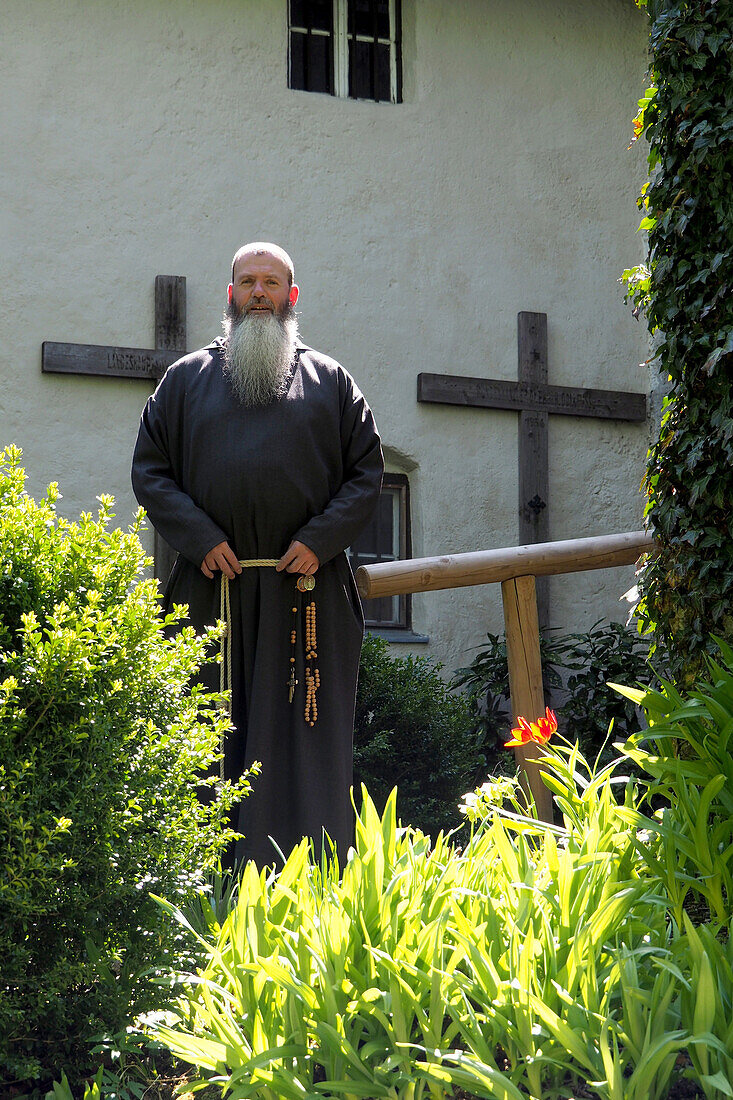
(298, 558)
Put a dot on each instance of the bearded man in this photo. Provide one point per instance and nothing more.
(259, 449)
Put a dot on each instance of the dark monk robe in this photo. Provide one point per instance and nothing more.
(306, 467)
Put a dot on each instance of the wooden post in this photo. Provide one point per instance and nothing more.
(525, 677)
(170, 335)
(534, 476)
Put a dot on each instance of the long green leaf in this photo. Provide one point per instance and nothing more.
(471, 1075)
(717, 1081)
(664, 1050)
(564, 1034)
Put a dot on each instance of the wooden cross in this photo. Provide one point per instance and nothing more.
(138, 363)
(533, 399)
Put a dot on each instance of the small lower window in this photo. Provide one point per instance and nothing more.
(387, 538)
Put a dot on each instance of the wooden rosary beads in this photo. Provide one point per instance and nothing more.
(292, 683)
(312, 675)
(310, 631)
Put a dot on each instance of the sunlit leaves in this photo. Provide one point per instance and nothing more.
(416, 967)
(532, 958)
(101, 743)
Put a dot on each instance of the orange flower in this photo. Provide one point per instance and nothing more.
(539, 731)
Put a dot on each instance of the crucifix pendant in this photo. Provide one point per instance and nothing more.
(292, 685)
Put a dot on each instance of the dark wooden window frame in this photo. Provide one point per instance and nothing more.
(307, 35)
(399, 482)
(342, 41)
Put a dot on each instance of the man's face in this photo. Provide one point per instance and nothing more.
(261, 286)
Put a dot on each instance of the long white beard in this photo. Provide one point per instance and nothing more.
(258, 355)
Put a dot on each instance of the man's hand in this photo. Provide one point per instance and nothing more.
(298, 558)
(223, 558)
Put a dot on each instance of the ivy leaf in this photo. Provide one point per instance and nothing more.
(689, 308)
(718, 354)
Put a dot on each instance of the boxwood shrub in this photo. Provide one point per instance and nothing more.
(102, 742)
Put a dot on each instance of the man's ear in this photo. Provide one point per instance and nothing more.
(230, 291)
(294, 292)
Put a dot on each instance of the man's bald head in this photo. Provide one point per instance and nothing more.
(264, 248)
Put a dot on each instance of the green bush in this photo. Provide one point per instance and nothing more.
(434, 740)
(411, 732)
(591, 661)
(576, 669)
(101, 743)
(485, 686)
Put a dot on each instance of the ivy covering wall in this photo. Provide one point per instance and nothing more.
(686, 292)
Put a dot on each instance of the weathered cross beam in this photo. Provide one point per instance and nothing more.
(137, 363)
(534, 399)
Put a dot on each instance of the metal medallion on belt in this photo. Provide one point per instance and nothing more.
(306, 584)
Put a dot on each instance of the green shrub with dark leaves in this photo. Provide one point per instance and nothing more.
(576, 670)
(485, 686)
(686, 290)
(591, 660)
(434, 740)
(412, 732)
(101, 743)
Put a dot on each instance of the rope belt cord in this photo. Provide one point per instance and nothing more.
(304, 583)
(225, 614)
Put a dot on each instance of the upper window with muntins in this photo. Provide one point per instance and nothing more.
(348, 48)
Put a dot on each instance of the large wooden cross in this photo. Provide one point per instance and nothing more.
(138, 363)
(533, 399)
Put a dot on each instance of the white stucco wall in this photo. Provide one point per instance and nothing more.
(154, 137)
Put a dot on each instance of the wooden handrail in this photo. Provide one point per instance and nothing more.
(492, 566)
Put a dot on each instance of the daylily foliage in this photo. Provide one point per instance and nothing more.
(524, 961)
